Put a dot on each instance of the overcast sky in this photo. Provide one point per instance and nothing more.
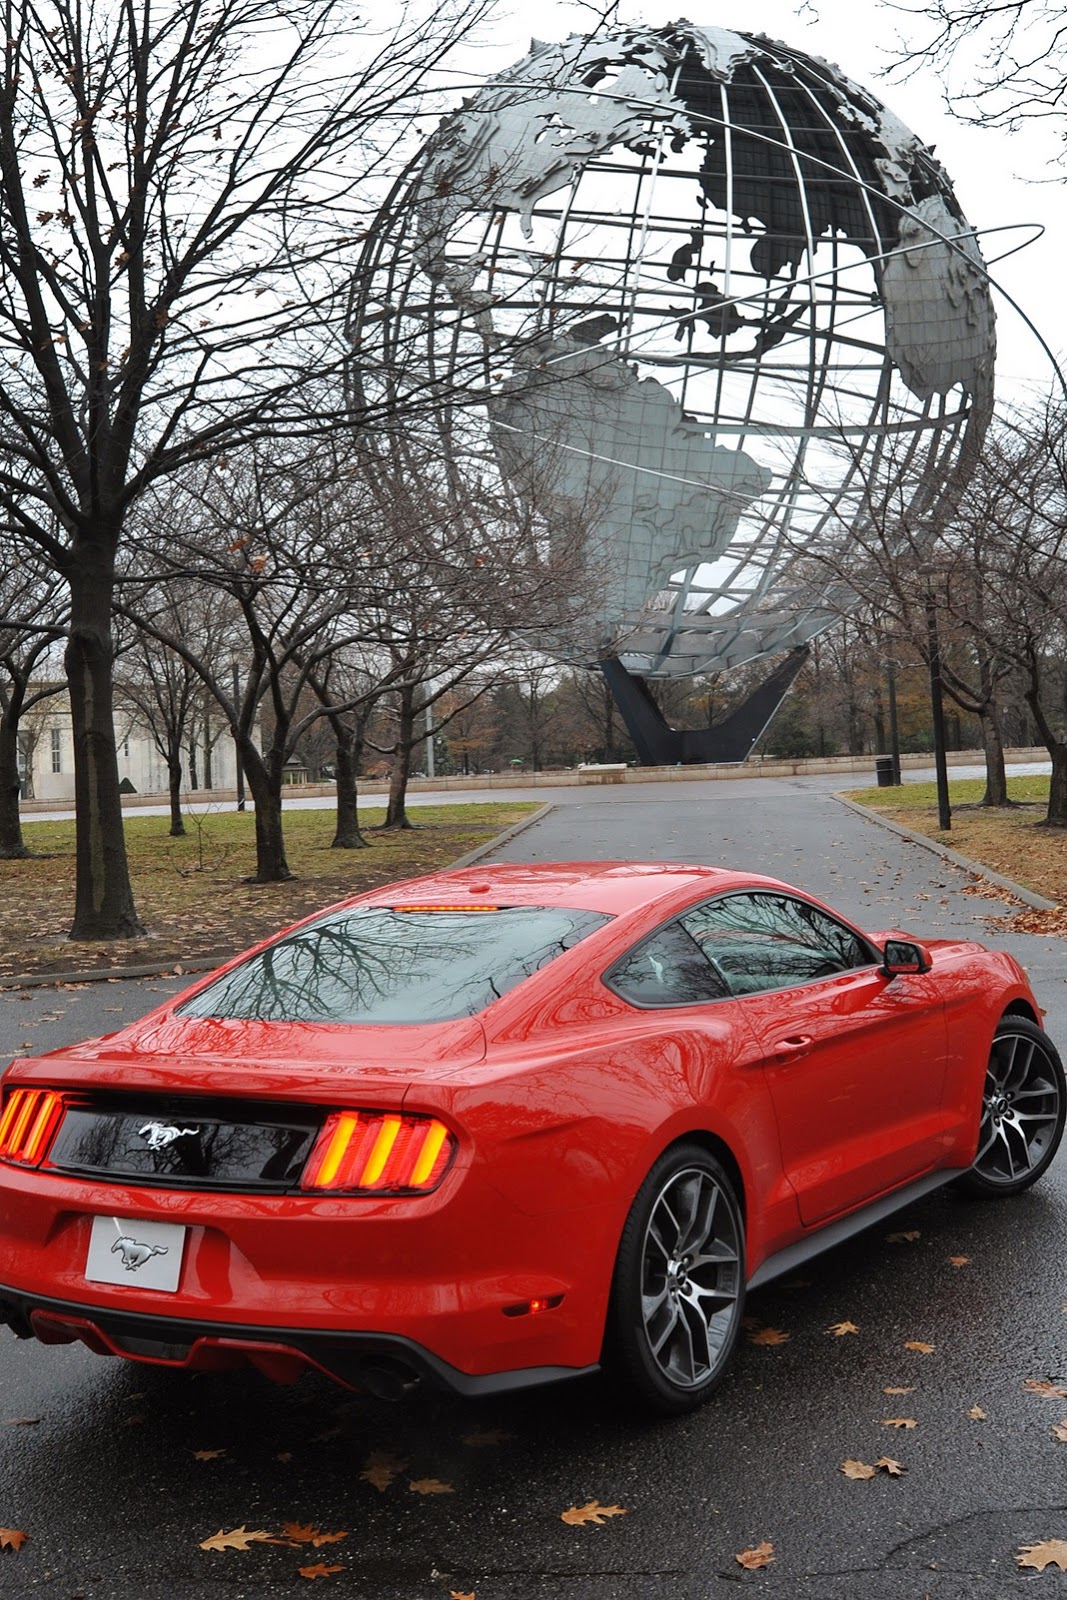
(999, 179)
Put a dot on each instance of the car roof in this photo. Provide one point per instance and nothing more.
(612, 887)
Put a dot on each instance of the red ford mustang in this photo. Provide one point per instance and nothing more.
(501, 1125)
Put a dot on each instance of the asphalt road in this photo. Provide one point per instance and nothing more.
(103, 1473)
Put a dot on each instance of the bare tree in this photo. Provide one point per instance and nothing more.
(181, 186)
(32, 620)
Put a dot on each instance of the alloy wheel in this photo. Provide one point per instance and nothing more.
(691, 1277)
(1022, 1109)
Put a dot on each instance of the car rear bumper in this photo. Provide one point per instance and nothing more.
(381, 1363)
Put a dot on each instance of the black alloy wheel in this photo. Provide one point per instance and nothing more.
(1023, 1104)
(678, 1290)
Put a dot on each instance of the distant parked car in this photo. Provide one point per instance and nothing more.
(500, 1126)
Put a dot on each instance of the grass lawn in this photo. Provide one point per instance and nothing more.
(1012, 842)
(191, 893)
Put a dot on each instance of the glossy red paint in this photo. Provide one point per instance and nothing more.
(819, 1097)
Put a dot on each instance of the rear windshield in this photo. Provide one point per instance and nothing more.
(372, 964)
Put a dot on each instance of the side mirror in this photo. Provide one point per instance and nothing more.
(901, 955)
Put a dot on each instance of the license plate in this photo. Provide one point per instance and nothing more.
(141, 1255)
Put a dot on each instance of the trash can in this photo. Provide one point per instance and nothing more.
(883, 768)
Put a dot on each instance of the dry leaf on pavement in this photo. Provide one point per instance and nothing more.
(319, 1570)
(430, 1486)
(959, 1261)
(1059, 1431)
(237, 1539)
(976, 1414)
(461, 1594)
(592, 1511)
(207, 1455)
(760, 1555)
(382, 1468)
(839, 1329)
(909, 1236)
(306, 1533)
(768, 1336)
(899, 1422)
(887, 1464)
(917, 1344)
(1049, 1553)
(12, 1539)
(908, 1388)
(856, 1469)
(21, 1422)
(1047, 1390)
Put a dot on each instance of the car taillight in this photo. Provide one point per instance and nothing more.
(379, 1152)
(28, 1124)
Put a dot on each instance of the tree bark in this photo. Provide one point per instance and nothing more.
(174, 783)
(12, 845)
(349, 835)
(1056, 815)
(396, 815)
(264, 779)
(103, 897)
(996, 777)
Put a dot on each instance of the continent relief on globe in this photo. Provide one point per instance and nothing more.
(577, 426)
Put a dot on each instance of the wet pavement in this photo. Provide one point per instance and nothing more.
(99, 1463)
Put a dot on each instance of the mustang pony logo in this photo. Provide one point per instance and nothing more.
(134, 1253)
(160, 1134)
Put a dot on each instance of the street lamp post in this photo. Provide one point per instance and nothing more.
(239, 764)
(933, 650)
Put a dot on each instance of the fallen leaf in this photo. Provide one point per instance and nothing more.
(959, 1261)
(898, 1389)
(382, 1468)
(976, 1414)
(487, 1436)
(328, 1538)
(768, 1336)
(1059, 1431)
(887, 1464)
(907, 1237)
(917, 1344)
(284, 1456)
(326, 1435)
(461, 1594)
(12, 1539)
(761, 1555)
(207, 1455)
(319, 1570)
(1049, 1553)
(1047, 1390)
(21, 1422)
(430, 1486)
(839, 1329)
(592, 1511)
(237, 1539)
(899, 1422)
(857, 1469)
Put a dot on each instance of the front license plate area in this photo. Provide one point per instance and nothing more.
(141, 1255)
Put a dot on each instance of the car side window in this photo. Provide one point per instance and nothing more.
(667, 969)
(762, 940)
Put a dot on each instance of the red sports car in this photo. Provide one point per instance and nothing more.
(502, 1125)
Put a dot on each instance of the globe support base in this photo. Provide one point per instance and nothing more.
(659, 745)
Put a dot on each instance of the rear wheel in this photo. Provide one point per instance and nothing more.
(1023, 1104)
(679, 1283)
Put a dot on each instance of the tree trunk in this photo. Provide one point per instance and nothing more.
(193, 784)
(12, 845)
(1056, 816)
(996, 777)
(396, 815)
(348, 835)
(174, 782)
(264, 778)
(103, 896)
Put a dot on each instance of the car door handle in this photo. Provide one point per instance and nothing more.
(792, 1048)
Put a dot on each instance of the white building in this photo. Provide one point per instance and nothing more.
(46, 751)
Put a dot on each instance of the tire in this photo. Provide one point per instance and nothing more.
(1023, 1104)
(679, 1285)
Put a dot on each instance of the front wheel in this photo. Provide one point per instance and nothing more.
(1023, 1104)
(679, 1283)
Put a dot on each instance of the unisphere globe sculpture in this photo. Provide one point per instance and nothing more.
(716, 295)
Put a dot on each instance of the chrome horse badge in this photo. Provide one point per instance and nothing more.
(134, 1253)
(160, 1134)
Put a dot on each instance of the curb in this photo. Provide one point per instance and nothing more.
(1036, 902)
(44, 980)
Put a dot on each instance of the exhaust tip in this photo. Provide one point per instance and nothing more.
(386, 1378)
